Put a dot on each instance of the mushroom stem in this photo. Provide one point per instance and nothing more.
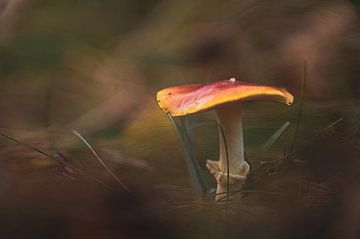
(231, 170)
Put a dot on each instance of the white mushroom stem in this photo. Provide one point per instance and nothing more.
(231, 139)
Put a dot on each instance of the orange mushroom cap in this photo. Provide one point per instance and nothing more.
(194, 98)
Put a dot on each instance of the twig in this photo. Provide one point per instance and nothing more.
(101, 161)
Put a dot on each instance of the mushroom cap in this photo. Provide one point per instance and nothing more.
(194, 98)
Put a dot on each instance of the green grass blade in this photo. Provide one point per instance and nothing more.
(190, 157)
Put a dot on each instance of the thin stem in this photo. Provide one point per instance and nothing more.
(227, 163)
(227, 168)
(299, 114)
(57, 159)
(101, 161)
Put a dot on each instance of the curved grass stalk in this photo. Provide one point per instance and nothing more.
(101, 161)
(57, 159)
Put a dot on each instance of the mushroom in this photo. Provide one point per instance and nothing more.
(225, 98)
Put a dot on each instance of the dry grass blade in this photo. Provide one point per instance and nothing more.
(333, 124)
(299, 114)
(101, 161)
(56, 158)
(190, 157)
(324, 130)
(271, 141)
(227, 163)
